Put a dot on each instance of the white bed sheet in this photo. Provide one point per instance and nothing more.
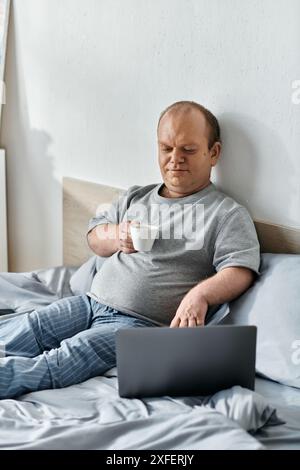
(92, 416)
(287, 403)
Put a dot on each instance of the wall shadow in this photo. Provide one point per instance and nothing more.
(31, 185)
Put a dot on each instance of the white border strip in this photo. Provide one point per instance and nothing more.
(3, 217)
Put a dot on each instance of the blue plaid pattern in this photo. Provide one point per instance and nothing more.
(65, 343)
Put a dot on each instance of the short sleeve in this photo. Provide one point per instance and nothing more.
(236, 242)
(108, 213)
(113, 213)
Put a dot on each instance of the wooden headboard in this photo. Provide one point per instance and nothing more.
(81, 199)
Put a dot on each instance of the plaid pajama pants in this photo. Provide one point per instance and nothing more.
(65, 343)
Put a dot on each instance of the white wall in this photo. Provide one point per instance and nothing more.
(86, 82)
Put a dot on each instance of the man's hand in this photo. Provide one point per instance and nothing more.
(107, 239)
(223, 286)
(124, 238)
(191, 311)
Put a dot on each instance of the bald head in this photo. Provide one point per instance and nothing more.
(184, 109)
(188, 149)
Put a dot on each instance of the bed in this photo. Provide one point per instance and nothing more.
(91, 415)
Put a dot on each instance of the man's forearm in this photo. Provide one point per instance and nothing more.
(103, 240)
(226, 285)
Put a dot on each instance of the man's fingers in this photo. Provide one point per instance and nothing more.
(126, 241)
(125, 230)
(175, 322)
(127, 247)
(125, 236)
(192, 322)
(126, 244)
(183, 323)
(127, 251)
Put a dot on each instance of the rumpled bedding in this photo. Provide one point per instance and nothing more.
(91, 415)
(23, 292)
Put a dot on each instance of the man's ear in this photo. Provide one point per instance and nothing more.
(215, 153)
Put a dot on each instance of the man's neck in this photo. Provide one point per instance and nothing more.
(165, 192)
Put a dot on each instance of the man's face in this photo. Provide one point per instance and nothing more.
(184, 157)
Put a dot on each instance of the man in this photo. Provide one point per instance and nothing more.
(175, 284)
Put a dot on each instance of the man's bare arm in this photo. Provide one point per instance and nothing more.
(223, 287)
(226, 285)
(105, 239)
(99, 241)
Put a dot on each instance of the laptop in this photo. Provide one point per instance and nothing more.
(157, 361)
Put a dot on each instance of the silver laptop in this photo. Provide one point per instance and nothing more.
(157, 361)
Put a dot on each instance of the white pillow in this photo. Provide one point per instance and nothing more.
(273, 305)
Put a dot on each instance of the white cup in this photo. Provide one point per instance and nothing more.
(143, 235)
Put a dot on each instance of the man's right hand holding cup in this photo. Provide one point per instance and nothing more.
(124, 238)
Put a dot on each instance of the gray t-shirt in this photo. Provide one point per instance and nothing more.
(198, 236)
